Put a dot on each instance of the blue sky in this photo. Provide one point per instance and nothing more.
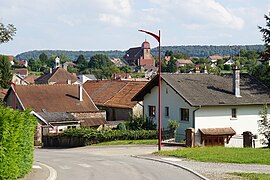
(114, 24)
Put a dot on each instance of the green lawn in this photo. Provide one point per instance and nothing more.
(252, 176)
(222, 154)
(127, 142)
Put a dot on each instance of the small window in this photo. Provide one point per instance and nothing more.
(234, 113)
(166, 90)
(152, 111)
(167, 111)
(184, 114)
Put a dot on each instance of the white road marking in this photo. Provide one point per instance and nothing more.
(172, 159)
(53, 173)
(85, 165)
(36, 167)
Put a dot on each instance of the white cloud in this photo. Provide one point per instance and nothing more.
(111, 19)
(200, 11)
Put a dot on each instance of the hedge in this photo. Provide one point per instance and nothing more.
(93, 136)
(16, 142)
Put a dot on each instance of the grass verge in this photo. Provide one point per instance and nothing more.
(128, 142)
(222, 154)
(251, 176)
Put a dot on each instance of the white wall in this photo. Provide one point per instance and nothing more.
(172, 100)
(138, 109)
(220, 116)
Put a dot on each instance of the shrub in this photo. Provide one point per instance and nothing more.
(93, 136)
(16, 142)
(173, 124)
(139, 123)
(121, 126)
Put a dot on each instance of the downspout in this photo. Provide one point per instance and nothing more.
(194, 121)
(194, 114)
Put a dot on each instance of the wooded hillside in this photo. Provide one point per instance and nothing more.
(192, 50)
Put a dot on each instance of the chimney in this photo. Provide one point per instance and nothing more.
(80, 92)
(236, 82)
(50, 70)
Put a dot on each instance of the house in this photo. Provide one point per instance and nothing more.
(23, 72)
(214, 58)
(121, 76)
(140, 56)
(57, 76)
(85, 77)
(219, 107)
(183, 62)
(31, 78)
(22, 63)
(115, 97)
(56, 107)
(17, 79)
(229, 62)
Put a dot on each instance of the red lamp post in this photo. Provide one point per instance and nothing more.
(157, 37)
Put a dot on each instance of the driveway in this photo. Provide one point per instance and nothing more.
(111, 162)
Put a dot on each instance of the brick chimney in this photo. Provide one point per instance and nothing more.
(80, 92)
(236, 82)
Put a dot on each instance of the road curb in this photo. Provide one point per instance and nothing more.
(53, 173)
(173, 164)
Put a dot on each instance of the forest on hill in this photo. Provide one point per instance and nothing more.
(192, 50)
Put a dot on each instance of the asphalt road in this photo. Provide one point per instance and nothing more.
(113, 162)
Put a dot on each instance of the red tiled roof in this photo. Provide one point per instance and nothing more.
(21, 71)
(184, 61)
(114, 93)
(31, 78)
(215, 57)
(102, 91)
(89, 122)
(54, 98)
(21, 62)
(59, 76)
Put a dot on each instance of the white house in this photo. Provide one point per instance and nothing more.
(229, 62)
(220, 107)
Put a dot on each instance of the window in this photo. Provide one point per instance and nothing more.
(184, 114)
(167, 111)
(234, 113)
(152, 111)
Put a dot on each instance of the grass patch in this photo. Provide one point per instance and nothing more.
(251, 176)
(222, 154)
(128, 142)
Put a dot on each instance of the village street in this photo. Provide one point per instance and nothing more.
(113, 162)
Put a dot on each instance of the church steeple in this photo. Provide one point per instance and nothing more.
(57, 62)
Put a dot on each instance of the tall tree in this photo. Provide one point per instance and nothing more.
(81, 63)
(171, 67)
(5, 72)
(7, 33)
(266, 37)
(99, 61)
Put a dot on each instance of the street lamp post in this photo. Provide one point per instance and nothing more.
(157, 37)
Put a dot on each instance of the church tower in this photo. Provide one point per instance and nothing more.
(146, 50)
(57, 62)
